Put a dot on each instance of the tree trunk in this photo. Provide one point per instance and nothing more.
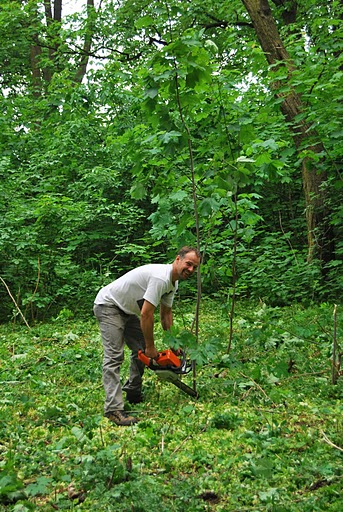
(319, 231)
(58, 10)
(80, 73)
(36, 73)
(53, 18)
(289, 12)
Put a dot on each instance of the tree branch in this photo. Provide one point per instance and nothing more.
(327, 440)
(218, 23)
(14, 301)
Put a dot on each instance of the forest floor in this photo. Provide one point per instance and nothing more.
(265, 434)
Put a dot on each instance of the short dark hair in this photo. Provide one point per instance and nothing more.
(186, 249)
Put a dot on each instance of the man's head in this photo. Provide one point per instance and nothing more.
(186, 263)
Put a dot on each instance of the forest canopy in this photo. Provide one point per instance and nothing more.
(129, 129)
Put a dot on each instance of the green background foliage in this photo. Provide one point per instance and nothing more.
(99, 109)
(127, 130)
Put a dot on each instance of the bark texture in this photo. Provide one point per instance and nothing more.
(314, 178)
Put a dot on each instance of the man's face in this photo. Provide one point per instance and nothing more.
(187, 265)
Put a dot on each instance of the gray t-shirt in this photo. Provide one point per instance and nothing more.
(150, 282)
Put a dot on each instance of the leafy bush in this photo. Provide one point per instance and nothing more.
(278, 274)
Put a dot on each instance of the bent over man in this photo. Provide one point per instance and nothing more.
(125, 312)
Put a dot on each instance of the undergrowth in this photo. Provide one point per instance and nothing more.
(266, 433)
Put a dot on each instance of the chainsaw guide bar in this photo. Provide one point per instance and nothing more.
(169, 368)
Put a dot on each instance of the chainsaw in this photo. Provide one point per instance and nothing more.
(169, 367)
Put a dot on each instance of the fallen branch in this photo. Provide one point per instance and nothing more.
(258, 387)
(327, 440)
(182, 443)
(14, 301)
(299, 375)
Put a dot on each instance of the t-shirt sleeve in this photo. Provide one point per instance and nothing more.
(156, 288)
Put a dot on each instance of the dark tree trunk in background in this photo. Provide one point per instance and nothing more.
(314, 177)
(49, 37)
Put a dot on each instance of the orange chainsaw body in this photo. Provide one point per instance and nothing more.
(168, 367)
(165, 358)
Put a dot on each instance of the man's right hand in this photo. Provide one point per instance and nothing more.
(151, 352)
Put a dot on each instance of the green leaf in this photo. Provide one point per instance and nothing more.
(40, 487)
(264, 158)
(179, 195)
(79, 434)
(205, 207)
(144, 22)
(168, 136)
(245, 159)
(138, 191)
(268, 495)
(151, 93)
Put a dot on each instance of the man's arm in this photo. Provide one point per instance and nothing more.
(166, 317)
(147, 326)
(167, 321)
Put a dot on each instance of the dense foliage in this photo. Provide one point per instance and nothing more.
(265, 433)
(104, 109)
(127, 130)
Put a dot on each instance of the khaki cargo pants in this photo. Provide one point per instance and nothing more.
(118, 328)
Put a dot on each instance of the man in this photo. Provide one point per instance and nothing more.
(125, 312)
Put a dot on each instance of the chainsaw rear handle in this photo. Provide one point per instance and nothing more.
(145, 359)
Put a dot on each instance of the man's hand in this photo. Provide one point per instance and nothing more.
(177, 351)
(151, 352)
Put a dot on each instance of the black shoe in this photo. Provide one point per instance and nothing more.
(121, 418)
(134, 397)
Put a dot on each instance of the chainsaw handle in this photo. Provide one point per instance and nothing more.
(148, 361)
(142, 357)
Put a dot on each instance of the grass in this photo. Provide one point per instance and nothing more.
(266, 433)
